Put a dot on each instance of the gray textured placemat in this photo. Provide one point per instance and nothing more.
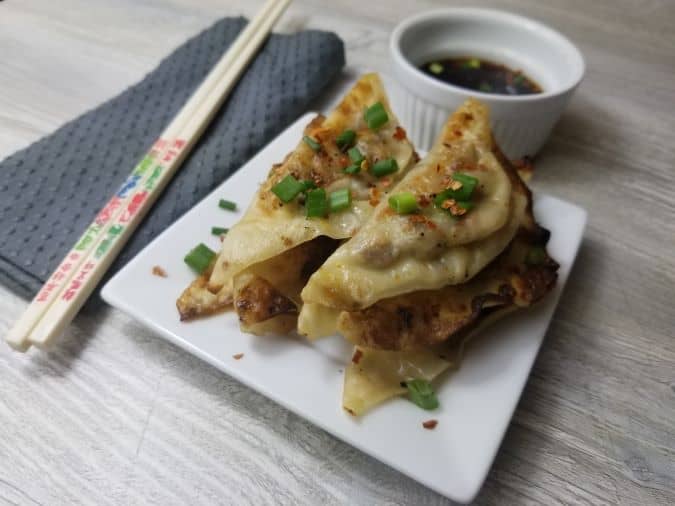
(50, 191)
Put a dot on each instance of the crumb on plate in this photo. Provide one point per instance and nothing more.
(430, 424)
(238, 356)
(158, 271)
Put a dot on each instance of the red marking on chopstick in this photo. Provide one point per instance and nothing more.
(76, 283)
(133, 207)
(170, 155)
(176, 147)
(58, 275)
(106, 213)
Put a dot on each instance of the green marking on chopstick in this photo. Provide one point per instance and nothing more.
(152, 180)
(144, 165)
(86, 240)
(112, 234)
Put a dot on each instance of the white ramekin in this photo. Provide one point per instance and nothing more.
(521, 123)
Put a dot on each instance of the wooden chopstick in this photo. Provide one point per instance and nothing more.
(81, 270)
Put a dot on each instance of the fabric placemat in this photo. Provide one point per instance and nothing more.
(51, 190)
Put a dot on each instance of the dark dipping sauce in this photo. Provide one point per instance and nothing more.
(481, 75)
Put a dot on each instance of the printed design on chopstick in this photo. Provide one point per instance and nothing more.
(170, 151)
(106, 214)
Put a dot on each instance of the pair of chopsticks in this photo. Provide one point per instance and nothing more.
(69, 286)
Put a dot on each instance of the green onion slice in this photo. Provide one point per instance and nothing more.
(200, 257)
(435, 68)
(536, 256)
(316, 203)
(403, 203)
(339, 200)
(375, 116)
(422, 393)
(485, 87)
(312, 143)
(384, 167)
(463, 194)
(307, 184)
(219, 230)
(353, 169)
(473, 63)
(356, 156)
(227, 204)
(288, 188)
(465, 204)
(468, 185)
(345, 139)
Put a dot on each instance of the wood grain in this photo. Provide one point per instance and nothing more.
(117, 416)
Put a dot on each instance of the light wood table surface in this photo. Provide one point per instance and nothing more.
(117, 416)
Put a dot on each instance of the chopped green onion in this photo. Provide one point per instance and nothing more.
(219, 230)
(485, 87)
(288, 188)
(435, 68)
(462, 194)
(375, 116)
(353, 169)
(422, 393)
(307, 184)
(339, 200)
(465, 204)
(473, 63)
(468, 185)
(403, 203)
(356, 156)
(227, 204)
(536, 256)
(345, 139)
(200, 258)
(519, 79)
(316, 203)
(384, 167)
(312, 143)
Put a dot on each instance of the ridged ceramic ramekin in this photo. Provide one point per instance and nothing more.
(521, 123)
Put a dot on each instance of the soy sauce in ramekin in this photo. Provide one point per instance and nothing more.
(481, 75)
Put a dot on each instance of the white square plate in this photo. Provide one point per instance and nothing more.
(477, 401)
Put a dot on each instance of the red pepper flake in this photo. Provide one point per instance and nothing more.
(357, 356)
(421, 219)
(385, 181)
(430, 424)
(158, 271)
(399, 134)
(238, 356)
(423, 200)
(374, 196)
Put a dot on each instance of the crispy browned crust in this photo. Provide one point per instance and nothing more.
(197, 300)
(428, 318)
(258, 301)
